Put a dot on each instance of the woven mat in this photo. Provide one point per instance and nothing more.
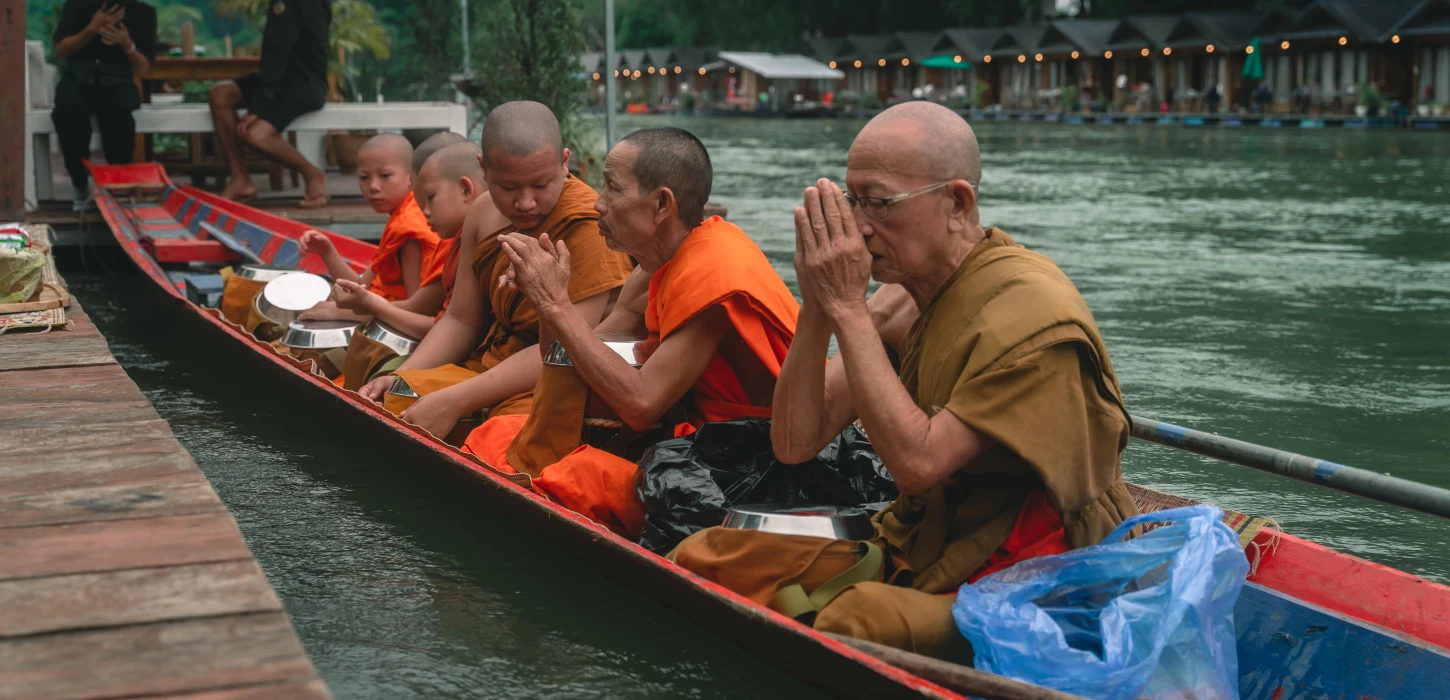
(51, 296)
(45, 320)
(1247, 526)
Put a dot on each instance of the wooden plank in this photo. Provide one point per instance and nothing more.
(62, 351)
(97, 467)
(167, 657)
(94, 547)
(103, 383)
(183, 494)
(24, 444)
(111, 599)
(278, 691)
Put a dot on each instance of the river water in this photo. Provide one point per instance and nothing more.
(1288, 287)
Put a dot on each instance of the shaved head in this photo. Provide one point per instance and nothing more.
(672, 157)
(521, 129)
(928, 139)
(432, 144)
(391, 146)
(455, 161)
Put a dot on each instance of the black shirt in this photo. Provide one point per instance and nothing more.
(99, 64)
(294, 54)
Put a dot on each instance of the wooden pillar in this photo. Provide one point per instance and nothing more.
(13, 104)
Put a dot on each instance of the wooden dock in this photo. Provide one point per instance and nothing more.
(121, 572)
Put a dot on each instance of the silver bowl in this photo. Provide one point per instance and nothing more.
(828, 522)
(557, 356)
(286, 297)
(318, 335)
(263, 273)
(389, 336)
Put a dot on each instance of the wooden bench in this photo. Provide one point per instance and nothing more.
(310, 128)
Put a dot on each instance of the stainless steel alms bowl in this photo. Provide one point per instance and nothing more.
(263, 273)
(400, 387)
(318, 335)
(284, 298)
(389, 336)
(828, 522)
(556, 356)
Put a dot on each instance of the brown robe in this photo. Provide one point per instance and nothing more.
(1009, 347)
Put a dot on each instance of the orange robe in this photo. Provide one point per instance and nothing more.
(717, 265)
(513, 324)
(406, 223)
(444, 268)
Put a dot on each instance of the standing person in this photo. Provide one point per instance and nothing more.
(106, 44)
(291, 82)
(1212, 98)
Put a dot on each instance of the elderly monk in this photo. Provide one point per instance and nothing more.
(482, 355)
(717, 319)
(1003, 425)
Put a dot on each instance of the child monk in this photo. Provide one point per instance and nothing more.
(398, 267)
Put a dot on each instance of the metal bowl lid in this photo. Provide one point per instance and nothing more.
(318, 335)
(296, 291)
(828, 522)
(389, 336)
(263, 273)
(557, 356)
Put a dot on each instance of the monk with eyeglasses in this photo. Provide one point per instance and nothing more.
(978, 373)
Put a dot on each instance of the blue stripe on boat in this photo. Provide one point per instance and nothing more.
(202, 211)
(288, 255)
(254, 236)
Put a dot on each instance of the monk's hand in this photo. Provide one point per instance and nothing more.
(435, 413)
(314, 243)
(374, 390)
(538, 267)
(322, 311)
(352, 296)
(837, 265)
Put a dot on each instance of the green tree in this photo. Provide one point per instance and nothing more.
(529, 50)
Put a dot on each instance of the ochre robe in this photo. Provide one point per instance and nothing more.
(716, 265)
(1010, 348)
(513, 322)
(406, 223)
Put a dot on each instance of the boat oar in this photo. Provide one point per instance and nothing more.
(1360, 482)
(962, 679)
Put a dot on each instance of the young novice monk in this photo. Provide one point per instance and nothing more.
(398, 267)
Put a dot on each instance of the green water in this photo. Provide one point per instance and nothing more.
(1286, 287)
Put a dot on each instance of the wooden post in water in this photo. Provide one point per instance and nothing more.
(13, 104)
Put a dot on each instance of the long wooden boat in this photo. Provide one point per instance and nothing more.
(1312, 622)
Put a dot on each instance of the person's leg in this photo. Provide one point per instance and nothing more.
(265, 138)
(72, 119)
(115, 108)
(225, 99)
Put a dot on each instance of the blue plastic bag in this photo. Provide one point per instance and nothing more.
(1150, 617)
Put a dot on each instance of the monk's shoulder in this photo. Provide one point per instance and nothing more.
(484, 217)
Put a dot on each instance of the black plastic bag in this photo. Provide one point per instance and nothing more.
(687, 484)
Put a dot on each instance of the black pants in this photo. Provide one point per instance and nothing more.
(112, 106)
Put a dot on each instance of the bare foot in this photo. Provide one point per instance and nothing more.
(315, 196)
(240, 189)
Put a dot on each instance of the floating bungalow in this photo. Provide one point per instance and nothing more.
(1333, 57)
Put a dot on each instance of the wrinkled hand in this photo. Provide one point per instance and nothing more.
(539, 268)
(104, 17)
(116, 35)
(315, 243)
(831, 257)
(374, 390)
(245, 125)
(352, 296)
(434, 413)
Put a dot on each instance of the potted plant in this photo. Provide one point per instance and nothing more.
(983, 93)
(1070, 99)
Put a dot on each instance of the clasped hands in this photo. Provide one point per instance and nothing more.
(539, 268)
(106, 22)
(832, 263)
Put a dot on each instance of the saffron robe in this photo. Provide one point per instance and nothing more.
(716, 265)
(406, 223)
(1010, 348)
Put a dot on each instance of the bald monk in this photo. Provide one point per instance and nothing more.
(717, 317)
(408, 244)
(482, 355)
(1002, 427)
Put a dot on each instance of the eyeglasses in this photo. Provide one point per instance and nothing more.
(875, 207)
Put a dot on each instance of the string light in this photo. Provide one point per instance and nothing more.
(1284, 45)
(881, 62)
(1209, 48)
(986, 59)
(732, 69)
(1074, 55)
(1039, 58)
(1107, 54)
(651, 70)
(957, 59)
(833, 64)
(596, 76)
(616, 73)
(678, 69)
(1248, 49)
(1022, 58)
(702, 70)
(1343, 40)
(858, 63)
(1167, 51)
(905, 61)
(1145, 52)
(1395, 39)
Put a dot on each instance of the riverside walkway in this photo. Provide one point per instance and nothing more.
(121, 572)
